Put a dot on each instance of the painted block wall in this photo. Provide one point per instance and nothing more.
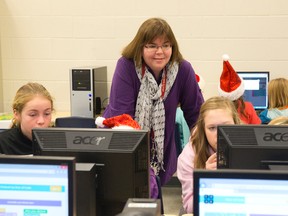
(40, 40)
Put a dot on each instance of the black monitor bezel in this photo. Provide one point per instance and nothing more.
(49, 160)
(250, 155)
(232, 174)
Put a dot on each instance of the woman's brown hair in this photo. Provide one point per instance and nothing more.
(148, 31)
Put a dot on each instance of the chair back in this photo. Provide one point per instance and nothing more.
(75, 122)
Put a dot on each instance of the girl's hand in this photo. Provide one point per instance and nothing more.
(211, 163)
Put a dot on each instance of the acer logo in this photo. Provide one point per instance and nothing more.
(87, 140)
(276, 137)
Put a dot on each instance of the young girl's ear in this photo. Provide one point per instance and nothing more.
(16, 115)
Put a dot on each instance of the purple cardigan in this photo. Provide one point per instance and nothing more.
(123, 97)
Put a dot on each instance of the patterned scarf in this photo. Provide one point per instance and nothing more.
(150, 110)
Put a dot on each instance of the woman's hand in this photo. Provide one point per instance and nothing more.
(211, 163)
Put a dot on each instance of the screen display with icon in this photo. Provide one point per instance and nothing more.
(240, 192)
(31, 185)
(256, 88)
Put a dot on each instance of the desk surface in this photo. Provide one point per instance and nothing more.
(5, 124)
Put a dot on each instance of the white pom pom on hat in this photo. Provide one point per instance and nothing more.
(225, 57)
(231, 85)
(99, 121)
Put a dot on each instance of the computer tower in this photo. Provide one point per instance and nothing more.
(88, 90)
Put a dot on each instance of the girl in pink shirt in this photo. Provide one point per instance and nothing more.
(200, 152)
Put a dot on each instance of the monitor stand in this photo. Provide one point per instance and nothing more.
(275, 165)
(278, 167)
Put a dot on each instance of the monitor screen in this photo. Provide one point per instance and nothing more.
(122, 156)
(240, 192)
(37, 185)
(252, 146)
(256, 88)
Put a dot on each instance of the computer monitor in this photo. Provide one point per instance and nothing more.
(256, 88)
(122, 157)
(35, 185)
(240, 192)
(252, 146)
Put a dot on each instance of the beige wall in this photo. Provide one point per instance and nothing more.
(42, 39)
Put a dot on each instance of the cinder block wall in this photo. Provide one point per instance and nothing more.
(42, 39)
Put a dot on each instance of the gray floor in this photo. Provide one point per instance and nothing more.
(172, 201)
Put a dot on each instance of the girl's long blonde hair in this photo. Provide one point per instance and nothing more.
(198, 138)
(278, 93)
(281, 120)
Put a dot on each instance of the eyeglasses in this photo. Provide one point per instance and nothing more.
(154, 47)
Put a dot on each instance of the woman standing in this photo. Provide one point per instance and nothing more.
(150, 80)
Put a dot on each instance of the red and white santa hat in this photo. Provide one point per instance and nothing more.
(123, 121)
(231, 85)
(201, 81)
